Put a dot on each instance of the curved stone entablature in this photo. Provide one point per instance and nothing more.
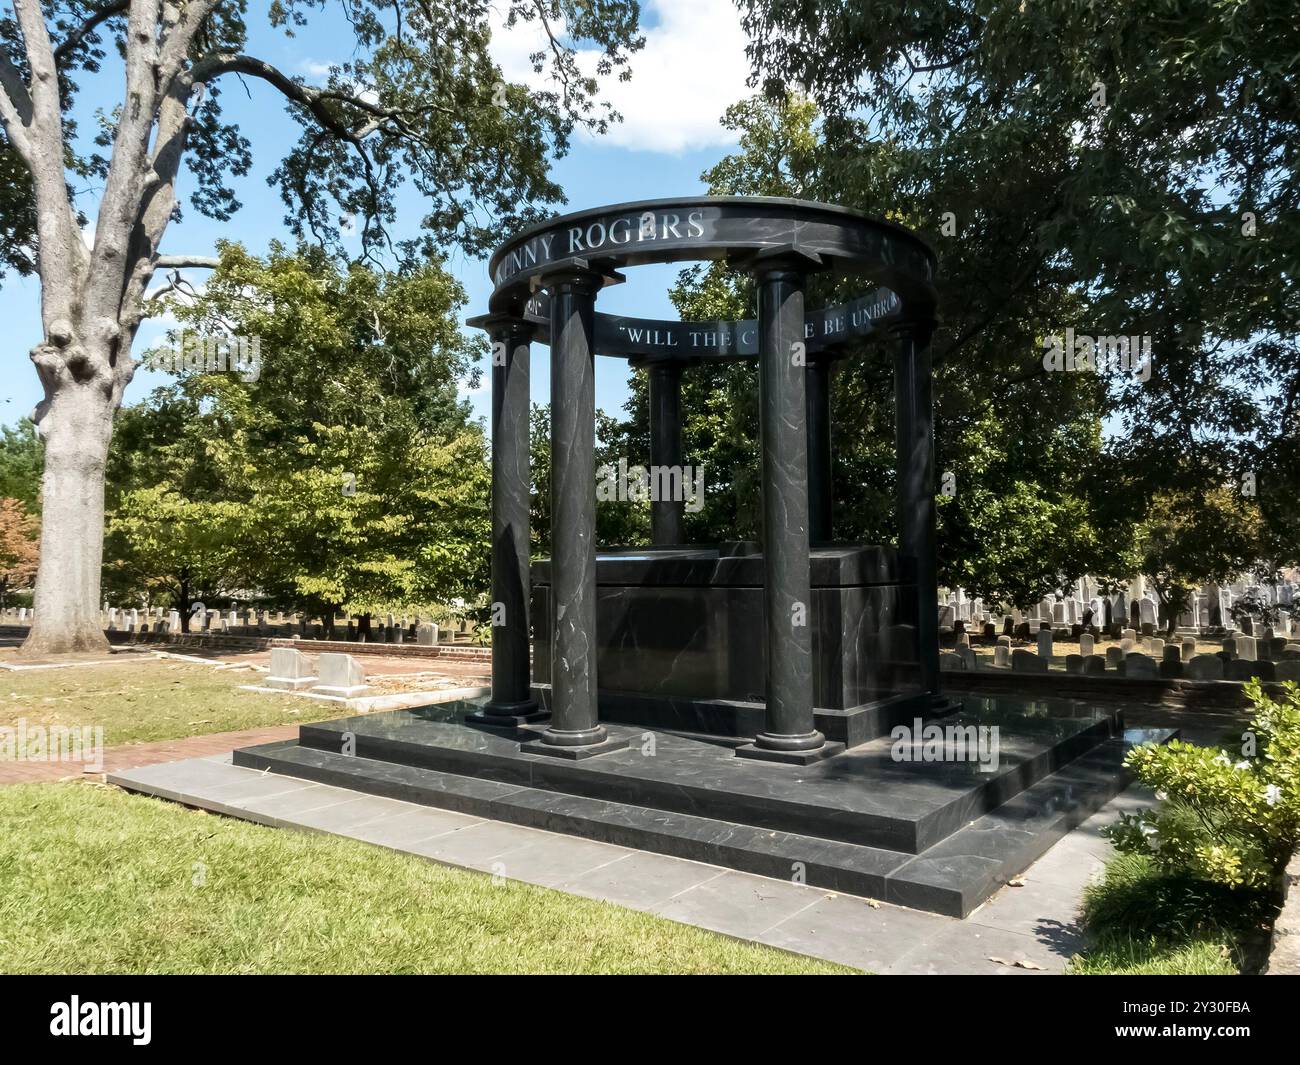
(645, 340)
(742, 229)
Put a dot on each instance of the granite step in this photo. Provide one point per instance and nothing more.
(865, 796)
(952, 877)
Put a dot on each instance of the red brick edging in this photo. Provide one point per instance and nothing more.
(134, 755)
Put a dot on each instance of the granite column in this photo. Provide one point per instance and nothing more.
(789, 733)
(574, 724)
(914, 426)
(512, 699)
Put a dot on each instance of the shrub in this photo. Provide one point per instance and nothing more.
(1141, 920)
(1230, 818)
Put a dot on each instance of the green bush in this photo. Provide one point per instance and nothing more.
(1232, 819)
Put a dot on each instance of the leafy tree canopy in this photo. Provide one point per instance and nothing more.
(1121, 169)
(347, 474)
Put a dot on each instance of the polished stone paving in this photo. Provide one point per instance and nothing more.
(1025, 930)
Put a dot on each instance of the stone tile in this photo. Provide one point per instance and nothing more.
(555, 859)
(414, 825)
(475, 845)
(641, 880)
(346, 818)
(850, 931)
(171, 779)
(738, 904)
(965, 949)
(287, 807)
(1042, 910)
(232, 795)
(1067, 865)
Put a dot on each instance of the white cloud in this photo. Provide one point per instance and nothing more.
(314, 69)
(693, 67)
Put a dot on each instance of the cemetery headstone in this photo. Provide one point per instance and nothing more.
(1025, 661)
(1141, 666)
(950, 661)
(1246, 669)
(340, 675)
(1204, 667)
(290, 670)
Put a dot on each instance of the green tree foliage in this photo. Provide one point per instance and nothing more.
(347, 475)
(1023, 446)
(618, 523)
(20, 464)
(418, 99)
(1183, 543)
(1123, 169)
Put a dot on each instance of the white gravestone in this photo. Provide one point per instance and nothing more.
(340, 675)
(290, 670)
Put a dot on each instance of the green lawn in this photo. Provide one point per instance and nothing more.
(149, 699)
(95, 880)
(1120, 955)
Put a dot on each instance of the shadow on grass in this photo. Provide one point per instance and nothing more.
(1140, 920)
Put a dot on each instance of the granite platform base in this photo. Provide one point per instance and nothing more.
(938, 831)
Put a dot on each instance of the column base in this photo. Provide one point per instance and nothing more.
(605, 744)
(509, 715)
(791, 750)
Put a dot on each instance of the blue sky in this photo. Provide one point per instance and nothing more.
(692, 68)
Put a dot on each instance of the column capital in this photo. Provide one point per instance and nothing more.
(578, 275)
(502, 326)
(919, 327)
(785, 259)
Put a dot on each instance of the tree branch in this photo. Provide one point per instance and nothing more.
(181, 262)
(111, 259)
(63, 256)
(72, 41)
(180, 24)
(314, 100)
(15, 107)
(158, 196)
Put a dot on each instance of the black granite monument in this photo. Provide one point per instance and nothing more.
(802, 645)
(737, 703)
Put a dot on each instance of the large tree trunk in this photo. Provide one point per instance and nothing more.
(76, 425)
(92, 299)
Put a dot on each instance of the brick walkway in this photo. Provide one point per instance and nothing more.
(134, 755)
